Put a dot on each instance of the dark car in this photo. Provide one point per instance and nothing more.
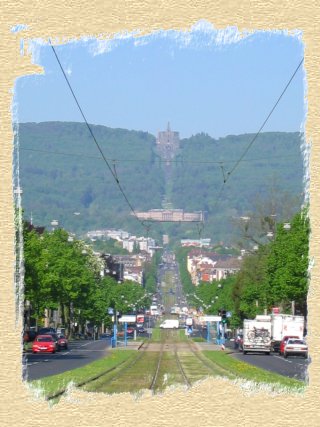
(56, 339)
(105, 335)
(45, 331)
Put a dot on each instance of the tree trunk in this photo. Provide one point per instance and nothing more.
(63, 317)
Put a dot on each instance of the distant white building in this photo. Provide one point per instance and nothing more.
(111, 233)
(204, 243)
(129, 244)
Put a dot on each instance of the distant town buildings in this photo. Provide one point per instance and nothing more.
(125, 267)
(171, 215)
(210, 266)
(128, 242)
(200, 243)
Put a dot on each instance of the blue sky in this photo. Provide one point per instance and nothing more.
(201, 81)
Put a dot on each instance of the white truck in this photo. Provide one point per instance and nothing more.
(257, 334)
(285, 325)
(170, 324)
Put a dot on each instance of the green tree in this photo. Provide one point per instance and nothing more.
(287, 265)
(151, 272)
(36, 291)
(250, 291)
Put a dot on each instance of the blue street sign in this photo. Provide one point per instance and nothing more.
(228, 314)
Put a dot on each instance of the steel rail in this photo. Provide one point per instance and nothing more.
(155, 376)
(208, 363)
(83, 383)
(183, 374)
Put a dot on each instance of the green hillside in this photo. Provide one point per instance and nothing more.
(62, 172)
(57, 185)
(270, 174)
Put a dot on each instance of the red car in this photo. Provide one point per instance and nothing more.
(130, 331)
(45, 344)
(284, 342)
(62, 342)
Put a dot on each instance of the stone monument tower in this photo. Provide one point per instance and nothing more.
(168, 143)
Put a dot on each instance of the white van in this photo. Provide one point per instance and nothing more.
(170, 324)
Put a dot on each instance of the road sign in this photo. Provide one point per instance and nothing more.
(128, 319)
(210, 319)
(228, 314)
(110, 310)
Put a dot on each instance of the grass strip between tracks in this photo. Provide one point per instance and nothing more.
(54, 384)
(252, 373)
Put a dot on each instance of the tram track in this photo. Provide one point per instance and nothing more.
(211, 366)
(156, 374)
(155, 362)
(103, 374)
(183, 374)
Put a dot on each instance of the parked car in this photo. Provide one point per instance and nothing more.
(295, 347)
(284, 342)
(55, 337)
(45, 344)
(62, 342)
(105, 335)
(130, 331)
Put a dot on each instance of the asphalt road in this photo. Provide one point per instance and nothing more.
(78, 354)
(293, 367)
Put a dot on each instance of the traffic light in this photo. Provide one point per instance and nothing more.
(224, 316)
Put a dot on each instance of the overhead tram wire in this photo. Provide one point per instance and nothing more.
(264, 123)
(94, 138)
(241, 158)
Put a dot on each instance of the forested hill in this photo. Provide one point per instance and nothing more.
(270, 176)
(62, 172)
(76, 179)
